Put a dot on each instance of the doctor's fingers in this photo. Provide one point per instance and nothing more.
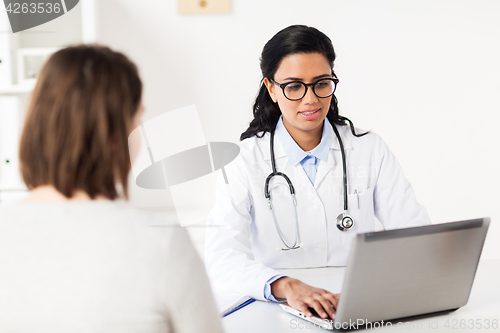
(302, 307)
(323, 308)
(331, 297)
(329, 303)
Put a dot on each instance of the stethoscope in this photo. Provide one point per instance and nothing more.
(344, 221)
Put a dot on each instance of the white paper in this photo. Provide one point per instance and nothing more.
(228, 301)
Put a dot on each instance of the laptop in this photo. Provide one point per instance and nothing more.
(404, 273)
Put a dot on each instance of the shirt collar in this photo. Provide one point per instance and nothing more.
(295, 153)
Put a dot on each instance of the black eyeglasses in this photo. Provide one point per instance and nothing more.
(296, 90)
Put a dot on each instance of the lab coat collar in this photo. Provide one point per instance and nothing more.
(325, 168)
(279, 151)
(295, 153)
(345, 135)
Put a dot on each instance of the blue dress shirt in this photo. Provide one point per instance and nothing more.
(309, 162)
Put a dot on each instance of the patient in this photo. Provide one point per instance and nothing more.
(72, 257)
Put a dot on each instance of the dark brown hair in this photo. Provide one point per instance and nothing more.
(75, 136)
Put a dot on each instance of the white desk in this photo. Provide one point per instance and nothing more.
(484, 304)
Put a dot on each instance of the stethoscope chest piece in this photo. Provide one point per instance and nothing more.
(344, 222)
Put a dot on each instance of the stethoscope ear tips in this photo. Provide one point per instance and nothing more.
(344, 222)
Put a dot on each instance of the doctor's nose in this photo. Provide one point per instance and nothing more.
(310, 97)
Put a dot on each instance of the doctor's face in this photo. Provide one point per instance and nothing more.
(306, 114)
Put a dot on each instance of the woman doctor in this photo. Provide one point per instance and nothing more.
(309, 210)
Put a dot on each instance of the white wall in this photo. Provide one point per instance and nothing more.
(424, 74)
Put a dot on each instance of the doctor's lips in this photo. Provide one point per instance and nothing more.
(310, 114)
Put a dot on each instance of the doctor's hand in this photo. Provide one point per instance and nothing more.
(302, 296)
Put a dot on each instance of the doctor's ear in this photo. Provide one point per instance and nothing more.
(271, 89)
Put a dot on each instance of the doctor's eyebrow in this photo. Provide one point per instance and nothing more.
(314, 78)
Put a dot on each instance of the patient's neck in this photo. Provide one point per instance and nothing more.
(48, 193)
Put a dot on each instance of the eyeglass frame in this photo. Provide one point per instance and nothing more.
(283, 85)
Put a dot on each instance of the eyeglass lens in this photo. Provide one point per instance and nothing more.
(297, 90)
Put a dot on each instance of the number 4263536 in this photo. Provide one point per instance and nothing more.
(473, 324)
(33, 8)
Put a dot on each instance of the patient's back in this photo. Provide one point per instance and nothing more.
(99, 266)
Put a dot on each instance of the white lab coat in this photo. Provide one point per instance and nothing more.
(242, 240)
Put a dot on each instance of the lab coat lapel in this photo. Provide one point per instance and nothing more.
(326, 167)
(283, 163)
(264, 146)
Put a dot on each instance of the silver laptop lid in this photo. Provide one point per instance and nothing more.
(406, 272)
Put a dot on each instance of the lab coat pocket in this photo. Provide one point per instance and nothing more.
(361, 210)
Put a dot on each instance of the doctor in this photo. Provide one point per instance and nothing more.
(305, 182)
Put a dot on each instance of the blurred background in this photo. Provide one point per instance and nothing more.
(423, 74)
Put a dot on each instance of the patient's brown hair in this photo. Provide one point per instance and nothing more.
(75, 136)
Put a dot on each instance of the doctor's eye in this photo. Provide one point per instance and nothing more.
(323, 84)
(294, 86)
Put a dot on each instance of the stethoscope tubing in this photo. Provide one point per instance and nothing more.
(344, 166)
(344, 221)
